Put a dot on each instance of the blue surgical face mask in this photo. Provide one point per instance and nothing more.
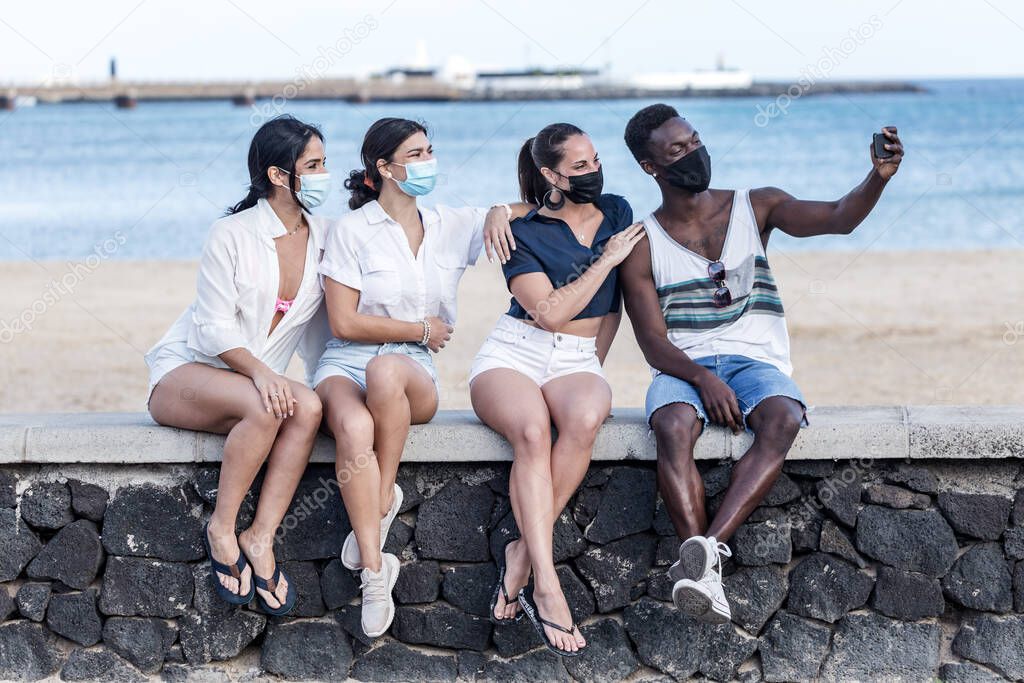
(420, 177)
(313, 188)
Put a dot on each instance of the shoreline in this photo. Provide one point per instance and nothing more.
(127, 94)
(930, 327)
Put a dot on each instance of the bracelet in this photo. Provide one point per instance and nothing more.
(426, 332)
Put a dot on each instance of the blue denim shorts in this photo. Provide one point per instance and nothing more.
(751, 380)
(343, 358)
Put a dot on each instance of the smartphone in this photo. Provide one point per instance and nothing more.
(880, 140)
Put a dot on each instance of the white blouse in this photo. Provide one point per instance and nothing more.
(236, 297)
(369, 251)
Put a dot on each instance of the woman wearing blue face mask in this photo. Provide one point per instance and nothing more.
(391, 272)
(221, 366)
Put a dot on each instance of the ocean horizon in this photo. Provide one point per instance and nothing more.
(153, 179)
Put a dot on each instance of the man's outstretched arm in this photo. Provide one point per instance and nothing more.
(644, 311)
(776, 208)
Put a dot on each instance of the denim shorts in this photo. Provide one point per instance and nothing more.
(751, 380)
(343, 358)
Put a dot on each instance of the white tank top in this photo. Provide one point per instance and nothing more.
(753, 325)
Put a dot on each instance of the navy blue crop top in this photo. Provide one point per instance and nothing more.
(547, 245)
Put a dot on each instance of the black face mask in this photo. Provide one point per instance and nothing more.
(691, 172)
(585, 188)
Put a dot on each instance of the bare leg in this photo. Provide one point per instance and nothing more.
(356, 466)
(204, 398)
(775, 423)
(287, 462)
(676, 428)
(578, 404)
(526, 424)
(399, 392)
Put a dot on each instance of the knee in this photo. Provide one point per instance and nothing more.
(532, 438)
(258, 417)
(584, 425)
(780, 430)
(676, 424)
(384, 378)
(309, 410)
(353, 428)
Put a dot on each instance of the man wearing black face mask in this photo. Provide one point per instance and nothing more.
(707, 314)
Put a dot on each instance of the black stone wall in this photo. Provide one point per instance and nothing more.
(853, 570)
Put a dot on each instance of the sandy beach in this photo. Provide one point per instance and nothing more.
(869, 328)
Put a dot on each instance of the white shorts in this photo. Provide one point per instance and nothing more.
(162, 360)
(540, 355)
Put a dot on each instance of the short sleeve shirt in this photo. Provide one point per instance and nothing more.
(368, 250)
(547, 245)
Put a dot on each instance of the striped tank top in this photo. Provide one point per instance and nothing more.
(753, 325)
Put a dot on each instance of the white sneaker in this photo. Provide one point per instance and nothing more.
(350, 557)
(696, 557)
(378, 606)
(703, 598)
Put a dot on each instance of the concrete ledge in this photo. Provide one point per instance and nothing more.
(836, 433)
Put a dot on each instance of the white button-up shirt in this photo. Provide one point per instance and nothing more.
(236, 297)
(369, 251)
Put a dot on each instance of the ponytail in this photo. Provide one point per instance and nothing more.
(362, 188)
(249, 201)
(532, 185)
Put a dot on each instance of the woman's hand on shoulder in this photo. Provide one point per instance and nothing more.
(498, 237)
(619, 245)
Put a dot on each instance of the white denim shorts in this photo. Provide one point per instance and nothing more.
(540, 355)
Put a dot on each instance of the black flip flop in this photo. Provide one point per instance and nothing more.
(270, 585)
(233, 571)
(500, 590)
(539, 622)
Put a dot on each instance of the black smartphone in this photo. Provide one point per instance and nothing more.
(879, 140)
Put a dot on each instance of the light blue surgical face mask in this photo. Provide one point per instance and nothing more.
(420, 177)
(313, 189)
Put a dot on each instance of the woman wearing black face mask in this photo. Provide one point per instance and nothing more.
(547, 353)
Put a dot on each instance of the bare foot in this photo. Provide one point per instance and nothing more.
(258, 546)
(225, 550)
(517, 575)
(553, 607)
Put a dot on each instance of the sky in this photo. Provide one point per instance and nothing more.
(157, 40)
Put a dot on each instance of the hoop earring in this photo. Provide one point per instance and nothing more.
(553, 205)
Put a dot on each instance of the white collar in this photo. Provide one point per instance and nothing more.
(268, 223)
(374, 213)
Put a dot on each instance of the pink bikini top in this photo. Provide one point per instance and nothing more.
(283, 305)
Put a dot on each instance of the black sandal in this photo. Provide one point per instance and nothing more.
(233, 571)
(500, 590)
(270, 586)
(540, 622)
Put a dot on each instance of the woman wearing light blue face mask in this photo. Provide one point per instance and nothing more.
(221, 366)
(391, 271)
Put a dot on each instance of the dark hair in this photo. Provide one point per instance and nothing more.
(380, 142)
(542, 150)
(279, 142)
(643, 123)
